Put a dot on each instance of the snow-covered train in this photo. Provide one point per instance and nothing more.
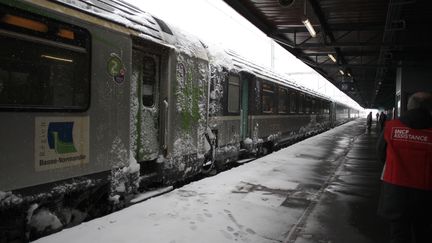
(99, 99)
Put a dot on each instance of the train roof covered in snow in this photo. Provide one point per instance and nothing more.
(139, 23)
(146, 26)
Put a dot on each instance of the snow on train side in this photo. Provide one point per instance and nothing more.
(254, 111)
(100, 100)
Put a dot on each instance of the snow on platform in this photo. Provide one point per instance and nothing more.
(261, 201)
(150, 194)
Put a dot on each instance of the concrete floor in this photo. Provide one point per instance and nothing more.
(346, 212)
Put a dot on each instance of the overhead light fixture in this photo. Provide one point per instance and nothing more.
(349, 74)
(332, 57)
(306, 21)
(309, 27)
(341, 72)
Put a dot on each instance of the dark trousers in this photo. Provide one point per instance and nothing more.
(410, 231)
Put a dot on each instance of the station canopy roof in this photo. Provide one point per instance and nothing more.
(369, 39)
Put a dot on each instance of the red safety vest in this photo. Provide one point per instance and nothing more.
(409, 156)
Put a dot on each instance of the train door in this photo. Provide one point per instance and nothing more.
(244, 109)
(145, 104)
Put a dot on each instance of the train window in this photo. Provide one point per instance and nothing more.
(233, 94)
(313, 106)
(293, 103)
(44, 64)
(282, 100)
(149, 73)
(307, 105)
(324, 107)
(267, 98)
(301, 100)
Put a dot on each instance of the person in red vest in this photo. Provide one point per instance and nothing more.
(405, 146)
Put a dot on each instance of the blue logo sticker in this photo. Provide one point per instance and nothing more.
(60, 137)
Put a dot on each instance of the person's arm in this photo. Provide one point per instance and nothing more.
(381, 148)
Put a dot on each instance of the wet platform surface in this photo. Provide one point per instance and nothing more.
(346, 211)
(321, 190)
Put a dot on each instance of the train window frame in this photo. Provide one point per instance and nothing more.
(328, 107)
(293, 102)
(230, 85)
(308, 104)
(283, 97)
(268, 92)
(155, 81)
(301, 101)
(313, 105)
(321, 107)
(65, 47)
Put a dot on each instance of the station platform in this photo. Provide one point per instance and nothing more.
(323, 189)
(346, 211)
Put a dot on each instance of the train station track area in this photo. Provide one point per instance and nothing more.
(323, 189)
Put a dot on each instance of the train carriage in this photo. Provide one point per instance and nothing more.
(187, 110)
(99, 99)
(254, 111)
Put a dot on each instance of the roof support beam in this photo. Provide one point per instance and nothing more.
(348, 44)
(346, 53)
(360, 66)
(334, 27)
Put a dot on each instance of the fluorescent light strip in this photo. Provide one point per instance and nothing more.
(309, 27)
(341, 72)
(57, 58)
(332, 57)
